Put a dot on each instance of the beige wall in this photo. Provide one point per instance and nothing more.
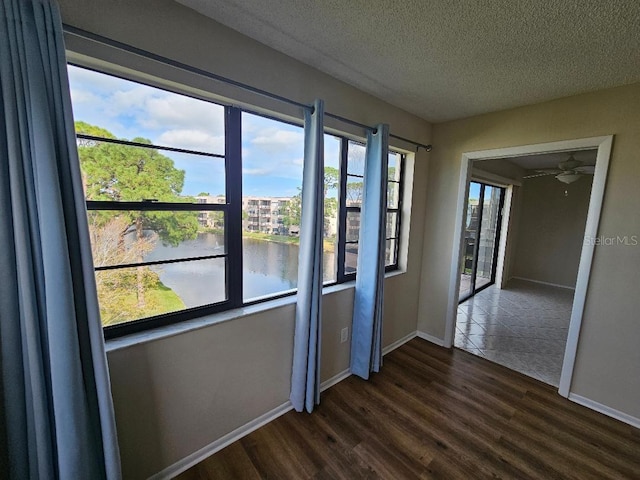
(551, 230)
(176, 395)
(503, 168)
(608, 357)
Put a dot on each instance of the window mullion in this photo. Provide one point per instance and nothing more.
(342, 219)
(233, 222)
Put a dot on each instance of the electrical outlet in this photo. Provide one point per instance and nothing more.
(344, 335)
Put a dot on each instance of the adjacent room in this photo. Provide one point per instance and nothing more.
(284, 239)
(520, 269)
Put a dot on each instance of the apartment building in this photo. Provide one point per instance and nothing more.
(270, 215)
(208, 219)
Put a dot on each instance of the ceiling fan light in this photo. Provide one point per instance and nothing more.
(568, 177)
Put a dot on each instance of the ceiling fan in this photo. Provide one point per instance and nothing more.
(567, 172)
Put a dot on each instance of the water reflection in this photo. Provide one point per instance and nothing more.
(268, 268)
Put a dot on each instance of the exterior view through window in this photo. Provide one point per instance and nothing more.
(481, 238)
(194, 207)
(353, 201)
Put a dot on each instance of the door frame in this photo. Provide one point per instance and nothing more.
(603, 145)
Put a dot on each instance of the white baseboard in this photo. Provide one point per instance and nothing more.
(543, 283)
(196, 457)
(330, 382)
(346, 373)
(430, 338)
(608, 411)
(399, 343)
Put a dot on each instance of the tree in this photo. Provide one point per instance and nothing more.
(87, 129)
(294, 210)
(331, 179)
(330, 211)
(117, 288)
(331, 182)
(115, 172)
(391, 174)
(354, 193)
(216, 219)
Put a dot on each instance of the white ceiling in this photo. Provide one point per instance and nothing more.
(551, 160)
(444, 59)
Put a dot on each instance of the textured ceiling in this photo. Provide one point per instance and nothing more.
(551, 160)
(443, 60)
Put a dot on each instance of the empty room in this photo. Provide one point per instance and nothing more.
(525, 220)
(290, 240)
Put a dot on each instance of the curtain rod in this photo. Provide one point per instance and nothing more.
(204, 73)
(373, 129)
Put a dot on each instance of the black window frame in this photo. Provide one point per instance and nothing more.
(342, 275)
(232, 209)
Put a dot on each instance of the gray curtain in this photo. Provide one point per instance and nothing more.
(366, 339)
(56, 417)
(305, 377)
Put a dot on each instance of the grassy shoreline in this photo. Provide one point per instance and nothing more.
(159, 298)
(328, 244)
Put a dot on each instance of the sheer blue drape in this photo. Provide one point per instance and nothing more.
(305, 377)
(56, 415)
(366, 339)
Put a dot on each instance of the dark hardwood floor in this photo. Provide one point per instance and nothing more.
(434, 413)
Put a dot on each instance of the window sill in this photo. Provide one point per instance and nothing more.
(167, 331)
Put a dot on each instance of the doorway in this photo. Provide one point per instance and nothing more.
(481, 238)
(603, 146)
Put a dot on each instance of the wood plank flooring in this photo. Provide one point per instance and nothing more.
(434, 413)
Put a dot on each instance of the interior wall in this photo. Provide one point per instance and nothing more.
(551, 230)
(174, 396)
(608, 355)
(503, 168)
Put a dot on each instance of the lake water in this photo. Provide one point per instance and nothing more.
(268, 268)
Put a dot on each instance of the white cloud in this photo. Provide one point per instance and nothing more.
(144, 109)
(193, 140)
(282, 168)
(331, 151)
(98, 82)
(177, 111)
(274, 149)
(257, 171)
(83, 96)
(272, 140)
(129, 102)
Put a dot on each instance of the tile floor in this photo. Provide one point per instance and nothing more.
(523, 326)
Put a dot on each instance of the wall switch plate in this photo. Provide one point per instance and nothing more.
(344, 335)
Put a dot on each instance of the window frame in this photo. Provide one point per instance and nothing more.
(342, 275)
(232, 210)
(397, 210)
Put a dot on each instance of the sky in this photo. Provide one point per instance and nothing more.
(272, 151)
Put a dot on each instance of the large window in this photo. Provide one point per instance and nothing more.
(353, 166)
(149, 158)
(271, 185)
(194, 207)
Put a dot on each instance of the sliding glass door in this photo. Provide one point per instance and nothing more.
(481, 238)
